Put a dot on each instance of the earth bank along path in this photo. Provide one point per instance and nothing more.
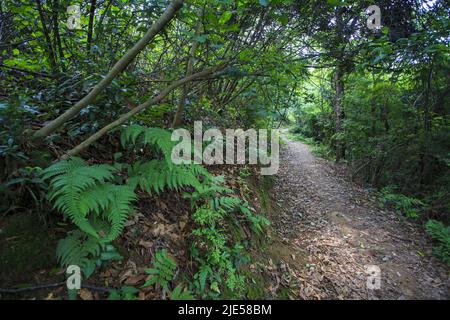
(333, 228)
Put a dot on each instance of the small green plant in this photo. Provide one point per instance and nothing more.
(244, 172)
(408, 206)
(259, 222)
(85, 251)
(439, 232)
(124, 293)
(27, 186)
(162, 271)
(218, 268)
(181, 293)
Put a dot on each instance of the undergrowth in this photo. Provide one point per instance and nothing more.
(98, 198)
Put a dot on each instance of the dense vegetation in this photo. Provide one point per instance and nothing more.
(86, 117)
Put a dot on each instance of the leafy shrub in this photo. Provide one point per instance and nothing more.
(26, 187)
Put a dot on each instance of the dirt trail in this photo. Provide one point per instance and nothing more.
(333, 228)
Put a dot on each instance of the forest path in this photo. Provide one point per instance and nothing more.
(332, 228)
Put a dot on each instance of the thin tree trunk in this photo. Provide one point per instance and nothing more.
(155, 100)
(91, 25)
(120, 65)
(338, 112)
(427, 125)
(99, 27)
(178, 118)
(51, 54)
(56, 35)
(339, 85)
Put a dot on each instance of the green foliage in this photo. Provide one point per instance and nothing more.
(98, 207)
(140, 137)
(26, 187)
(85, 251)
(163, 274)
(259, 222)
(408, 206)
(78, 248)
(157, 175)
(441, 234)
(83, 193)
(218, 260)
(162, 271)
(181, 293)
(124, 293)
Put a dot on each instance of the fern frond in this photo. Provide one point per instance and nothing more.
(71, 180)
(227, 203)
(153, 137)
(130, 134)
(156, 175)
(97, 198)
(118, 210)
(163, 270)
(78, 249)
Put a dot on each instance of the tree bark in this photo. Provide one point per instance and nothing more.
(338, 111)
(56, 35)
(120, 65)
(91, 25)
(155, 100)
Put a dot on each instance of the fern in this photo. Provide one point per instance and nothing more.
(83, 193)
(118, 209)
(404, 204)
(179, 293)
(78, 249)
(441, 234)
(140, 136)
(85, 251)
(70, 181)
(227, 203)
(156, 175)
(163, 270)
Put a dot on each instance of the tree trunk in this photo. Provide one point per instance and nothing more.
(91, 25)
(338, 112)
(56, 35)
(51, 53)
(120, 65)
(178, 118)
(427, 125)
